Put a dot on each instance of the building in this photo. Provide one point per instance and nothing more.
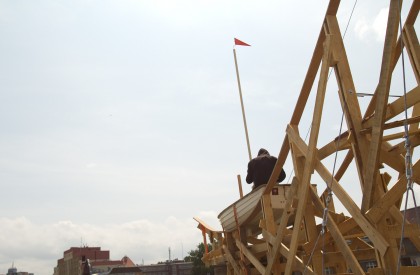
(175, 267)
(132, 270)
(13, 271)
(135, 270)
(98, 261)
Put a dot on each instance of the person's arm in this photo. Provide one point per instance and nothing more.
(250, 175)
(282, 175)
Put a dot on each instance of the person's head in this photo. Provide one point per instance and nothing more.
(262, 151)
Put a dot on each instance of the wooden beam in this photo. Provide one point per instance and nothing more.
(344, 165)
(394, 124)
(380, 243)
(389, 199)
(298, 263)
(276, 245)
(231, 260)
(339, 143)
(339, 240)
(397, 106)
(401, 135)
(348, 97)
(248, 254)
(400, 147)
(311, 156)
(382, 93)
(303, 96)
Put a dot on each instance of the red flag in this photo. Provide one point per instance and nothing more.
(240, 43)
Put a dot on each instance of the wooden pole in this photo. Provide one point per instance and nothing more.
(242, 104)
(241, 194)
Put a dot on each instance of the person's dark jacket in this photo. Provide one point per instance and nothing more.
(261, 167)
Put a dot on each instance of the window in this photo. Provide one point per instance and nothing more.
(329, 271)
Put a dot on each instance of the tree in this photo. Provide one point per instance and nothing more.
(195, 256)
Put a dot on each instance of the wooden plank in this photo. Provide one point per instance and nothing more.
(313, 67)
(339, 240)
(412, 14)
(284, 250)
(394, 124)
(382, 93)
(311, 156)
(344, 165)
(248, 254)
(400, 147)
(312, 232)
(348, 97)
(380, 243)
(339, 143)
(401, 135)
(389, 199)
(398, 106)
(410, 231)
(392, 159)
(413, 49)
(411, 18)
(270, 225)
(331, 258)
(231, 260)
(410, 270)
(205, 226)
(303, 96)
(276, 245)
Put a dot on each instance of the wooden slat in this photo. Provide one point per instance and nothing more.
(382, 93)
(348, 98)
(340, 241)
(276, 245)
(400, 147)
(380, 243)
(311, 156)
(398, 106)
(394, 124)
(284, 250)
(339, 143)
(303, 96)
(248, 254)
(390, 198)
(231, 260)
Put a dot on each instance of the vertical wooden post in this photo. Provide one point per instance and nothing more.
(242, 104)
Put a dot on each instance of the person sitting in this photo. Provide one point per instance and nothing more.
(260, 169)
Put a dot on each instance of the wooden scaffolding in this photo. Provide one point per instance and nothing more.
(310, 237)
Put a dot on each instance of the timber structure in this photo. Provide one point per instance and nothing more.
(294, 228)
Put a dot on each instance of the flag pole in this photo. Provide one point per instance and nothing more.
(242, 104)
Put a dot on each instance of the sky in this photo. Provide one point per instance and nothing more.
(120, 120)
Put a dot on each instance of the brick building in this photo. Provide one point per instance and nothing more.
(174, 267)
(75, 258)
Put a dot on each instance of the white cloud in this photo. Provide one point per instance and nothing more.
(37, 247)
(376, 28)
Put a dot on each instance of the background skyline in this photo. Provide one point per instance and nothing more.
(121, 121)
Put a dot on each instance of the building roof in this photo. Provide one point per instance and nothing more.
(120, 270)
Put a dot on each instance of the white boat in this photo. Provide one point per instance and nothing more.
(248, 209)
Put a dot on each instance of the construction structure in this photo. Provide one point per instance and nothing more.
(294, 228)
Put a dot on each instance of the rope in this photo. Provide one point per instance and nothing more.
(344, 35)
(329, 187)
(327, 202)
(408, 159)
(330, 193)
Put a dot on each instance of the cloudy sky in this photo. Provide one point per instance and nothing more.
(120, 119)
